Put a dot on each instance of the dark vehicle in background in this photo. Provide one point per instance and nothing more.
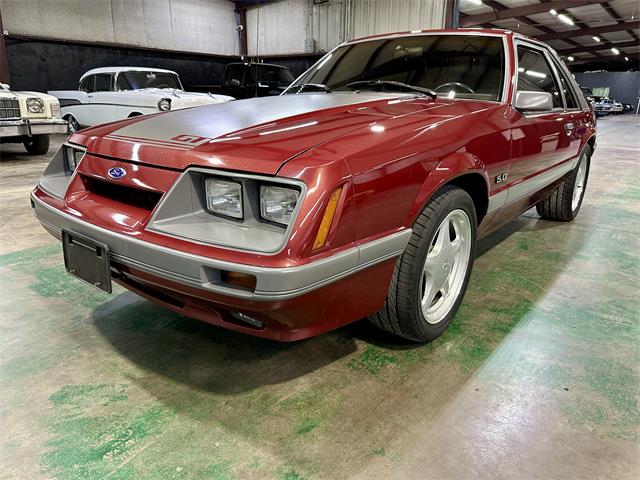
(247, 80)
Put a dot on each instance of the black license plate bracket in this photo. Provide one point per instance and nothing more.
(87, 260)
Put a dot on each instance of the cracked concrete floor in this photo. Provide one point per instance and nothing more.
(538, 377)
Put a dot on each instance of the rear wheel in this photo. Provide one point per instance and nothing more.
(431, 276)
(37, 145)
(565, 201)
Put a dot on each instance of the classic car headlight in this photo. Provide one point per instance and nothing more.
(35, 105)
(72, 157)
(164, 104)
(224, 197)
(277, 204)
(55, 110)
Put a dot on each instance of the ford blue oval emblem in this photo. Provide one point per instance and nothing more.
(116, 172)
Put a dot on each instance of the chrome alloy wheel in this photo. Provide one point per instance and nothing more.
(578, 186)
(445, 266)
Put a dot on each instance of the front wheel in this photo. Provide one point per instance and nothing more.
(74, 126)
(431, 276)
(37, 145)
(565, 201)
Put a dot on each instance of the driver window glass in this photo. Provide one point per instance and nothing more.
(103, 83)
(535, 75)
(234, 72)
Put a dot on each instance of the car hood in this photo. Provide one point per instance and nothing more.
(257, 135)
(25, 95)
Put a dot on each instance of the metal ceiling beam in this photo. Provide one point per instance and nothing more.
(589, 31)
(605, 58)
(597, 46)
(504, 13)
(613, 14)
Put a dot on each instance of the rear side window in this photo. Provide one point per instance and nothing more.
(567, 89)
(535, 74)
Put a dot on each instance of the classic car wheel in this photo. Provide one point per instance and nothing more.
(432, 274)
(565, 201)
(74, 126)
(37, 145)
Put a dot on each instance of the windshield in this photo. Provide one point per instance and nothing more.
(453, 66)
(273, 74)
(137, 80)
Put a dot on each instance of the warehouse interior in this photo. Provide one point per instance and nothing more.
(537, 377)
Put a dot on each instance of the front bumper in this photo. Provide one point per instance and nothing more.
(280, 293)
(28, 128)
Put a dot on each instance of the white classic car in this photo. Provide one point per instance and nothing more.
(113, 93)
(29, 118)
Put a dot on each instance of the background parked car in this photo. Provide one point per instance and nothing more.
(114, 93)
(248, 80)
(29, 118)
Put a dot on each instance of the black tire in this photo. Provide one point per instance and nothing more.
(558, 206)
(402, 313)
(37, 145)
(74, 126)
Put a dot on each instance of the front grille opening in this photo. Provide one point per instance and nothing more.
(9, 108)
(147, 289)
(136, 197)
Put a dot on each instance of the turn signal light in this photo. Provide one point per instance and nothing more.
(237, 279)
(325, 225)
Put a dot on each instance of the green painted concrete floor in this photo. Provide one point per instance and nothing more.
(538, 377)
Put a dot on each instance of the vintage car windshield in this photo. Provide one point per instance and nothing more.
(274, 74)
(453, 66)
(138, 80)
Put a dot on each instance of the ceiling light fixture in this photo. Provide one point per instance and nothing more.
(563, 18)
(570, 58)
(626, 58)
(596, 38)
(553, 12)
(615, 51)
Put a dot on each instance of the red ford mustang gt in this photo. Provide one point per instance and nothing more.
(359, 192)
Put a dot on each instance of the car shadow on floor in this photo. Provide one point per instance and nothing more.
(212, 359)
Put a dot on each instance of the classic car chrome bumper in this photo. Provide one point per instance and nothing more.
(272, 284)
(28, 128)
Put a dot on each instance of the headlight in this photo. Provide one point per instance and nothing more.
(277, 204)
(164, 105)
(224, 197)
(55, 110)
(35, 105)
(72, 157)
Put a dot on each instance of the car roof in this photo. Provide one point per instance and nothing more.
(123, 69)
(461, 31)
(261, 63)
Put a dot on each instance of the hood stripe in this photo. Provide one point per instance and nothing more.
(214, 121)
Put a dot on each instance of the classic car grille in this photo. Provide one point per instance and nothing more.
(9, 108)
(122, 193)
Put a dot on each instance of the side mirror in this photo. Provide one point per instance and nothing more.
(534, 101)
(234, 82)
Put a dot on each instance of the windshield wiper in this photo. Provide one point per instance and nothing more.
(310, 86)
(381, 84)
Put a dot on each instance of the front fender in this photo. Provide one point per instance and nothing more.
(449, 169)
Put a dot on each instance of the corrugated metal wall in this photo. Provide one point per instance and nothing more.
(205, 26)
(278, 27)
(369, 17)
(288, 26)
